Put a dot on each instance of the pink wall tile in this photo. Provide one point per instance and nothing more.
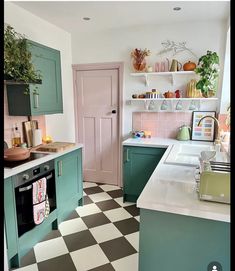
(9, 121)
(161, 124)
(222, 122)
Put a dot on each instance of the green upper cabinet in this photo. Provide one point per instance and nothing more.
(48, 96)
(138, 165)
(68, 171)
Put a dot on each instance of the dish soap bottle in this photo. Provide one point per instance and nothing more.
(16, 136)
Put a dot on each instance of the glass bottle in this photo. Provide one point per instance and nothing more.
(16, 136)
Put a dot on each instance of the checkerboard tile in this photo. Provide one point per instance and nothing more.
(101, 235)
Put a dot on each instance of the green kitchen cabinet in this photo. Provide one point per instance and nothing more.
(69, 190)
(47, 99)
(10, 222)
(138, 165)
(169, 241)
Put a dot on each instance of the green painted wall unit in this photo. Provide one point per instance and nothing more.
(69, 189)
(178, 242)
(49, 97)
(10, 222)
(138, 165)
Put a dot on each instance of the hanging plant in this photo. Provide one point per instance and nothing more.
(208, 69)
(18, 66)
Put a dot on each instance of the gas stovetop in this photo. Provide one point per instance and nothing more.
(33, 156)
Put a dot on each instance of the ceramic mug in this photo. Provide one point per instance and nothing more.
(179, 106)
(192, 106)
(164, 106)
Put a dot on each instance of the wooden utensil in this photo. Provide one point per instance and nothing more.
(28, 126)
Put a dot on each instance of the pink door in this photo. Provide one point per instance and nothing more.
(97, 102)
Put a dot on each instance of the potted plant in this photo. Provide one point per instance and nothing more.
(208, 69)
(18, 66)
(139, 61)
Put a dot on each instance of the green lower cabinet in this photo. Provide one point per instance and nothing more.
(10, 222)
(178, 242)
(69, 190)
(47, 99)
(138, 165)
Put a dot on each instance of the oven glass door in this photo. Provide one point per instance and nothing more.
(24, 202)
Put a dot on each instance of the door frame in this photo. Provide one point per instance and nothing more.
(119, 66)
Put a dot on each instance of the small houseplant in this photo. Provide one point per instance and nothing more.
(208, 69)
(18, 66)
(139, 61)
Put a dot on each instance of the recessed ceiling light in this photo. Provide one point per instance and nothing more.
(86, 18)
(177, 8)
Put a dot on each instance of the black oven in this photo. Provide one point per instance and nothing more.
(23, 193)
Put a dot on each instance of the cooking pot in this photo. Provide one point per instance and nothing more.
(16, 154)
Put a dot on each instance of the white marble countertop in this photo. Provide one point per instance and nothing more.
(8, 172)
(172, 188)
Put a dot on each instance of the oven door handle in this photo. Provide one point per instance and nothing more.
(25, 188)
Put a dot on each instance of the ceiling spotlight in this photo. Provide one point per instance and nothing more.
(86, 18)
(177, 8)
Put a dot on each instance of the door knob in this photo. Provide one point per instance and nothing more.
(114, 111)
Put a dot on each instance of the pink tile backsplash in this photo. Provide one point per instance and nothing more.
(9, 121)
(222, 122)
(163, 124)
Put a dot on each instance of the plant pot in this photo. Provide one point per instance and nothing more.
(208, 94)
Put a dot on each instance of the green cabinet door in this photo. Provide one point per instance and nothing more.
(46, 98)
(10, 222)
(138, 165)
(69, 190)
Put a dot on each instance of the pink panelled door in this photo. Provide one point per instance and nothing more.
(98, 124)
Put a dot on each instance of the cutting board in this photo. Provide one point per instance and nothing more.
(28, 127)
(55, 146)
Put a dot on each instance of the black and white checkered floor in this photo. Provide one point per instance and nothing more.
(102, 235)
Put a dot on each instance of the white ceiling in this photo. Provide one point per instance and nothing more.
(112, 14)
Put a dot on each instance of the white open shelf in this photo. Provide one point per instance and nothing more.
(147, 75)
(172, 103)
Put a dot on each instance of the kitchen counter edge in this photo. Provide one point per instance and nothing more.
(9, 172)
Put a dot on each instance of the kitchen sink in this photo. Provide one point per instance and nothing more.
(186, 154)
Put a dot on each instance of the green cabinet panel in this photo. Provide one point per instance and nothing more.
(10, 218)
(138, 165)
(179, 242)
(48, 97)
(69, 190)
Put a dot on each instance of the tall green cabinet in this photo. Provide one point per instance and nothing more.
(138, 165)
(69, 190)
(47, 98)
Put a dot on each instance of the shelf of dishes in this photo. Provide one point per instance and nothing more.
(172, 104)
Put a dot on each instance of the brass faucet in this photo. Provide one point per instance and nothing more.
(217, 134)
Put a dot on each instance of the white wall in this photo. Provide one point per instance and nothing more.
(225, 94)
(59, 126)
(116, 45)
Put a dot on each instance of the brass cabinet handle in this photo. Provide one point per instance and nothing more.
(60, 168)
(127, 155)
(36, 101)
(126, 159)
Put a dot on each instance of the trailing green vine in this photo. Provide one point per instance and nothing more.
(18, 64)
(208, 69)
